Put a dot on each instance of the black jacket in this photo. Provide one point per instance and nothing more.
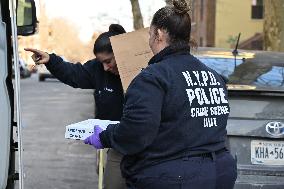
(108, 93)
(175, 107)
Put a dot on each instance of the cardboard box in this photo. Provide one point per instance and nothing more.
(132, 54)
(83, 129)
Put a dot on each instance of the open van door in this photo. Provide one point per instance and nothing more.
(26, 19)
(5, 110)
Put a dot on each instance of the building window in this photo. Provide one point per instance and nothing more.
(257, 9)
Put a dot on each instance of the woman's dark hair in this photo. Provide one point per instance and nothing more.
(102, 43)
(175, 20)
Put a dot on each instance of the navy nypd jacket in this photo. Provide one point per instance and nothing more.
(176, 106)
(108, 93)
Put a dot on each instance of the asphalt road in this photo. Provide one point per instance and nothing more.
(50, 160)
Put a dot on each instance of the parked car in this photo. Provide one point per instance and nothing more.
(24, 71)
(32, 68)
(43, 73)
(256, 122)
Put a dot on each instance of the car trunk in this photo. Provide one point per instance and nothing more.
(249, 141)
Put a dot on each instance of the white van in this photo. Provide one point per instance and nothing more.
(10, 144)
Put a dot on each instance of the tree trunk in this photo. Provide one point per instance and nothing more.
(274, 25)
(137, 16)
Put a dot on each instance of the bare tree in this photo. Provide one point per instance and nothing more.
(274, 25)
(137, 16)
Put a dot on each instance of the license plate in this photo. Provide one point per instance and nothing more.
(267, 152)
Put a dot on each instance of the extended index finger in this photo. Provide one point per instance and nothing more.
(33, 50)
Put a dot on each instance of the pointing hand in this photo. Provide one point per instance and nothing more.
(39, 57)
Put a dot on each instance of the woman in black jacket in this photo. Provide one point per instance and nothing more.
(173, 129)
(102, 75)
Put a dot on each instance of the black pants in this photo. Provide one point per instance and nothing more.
(216, 171)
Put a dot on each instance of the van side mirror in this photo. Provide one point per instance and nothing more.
(26, 17)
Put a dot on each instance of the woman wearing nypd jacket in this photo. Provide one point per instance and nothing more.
(173, 129)
(102, 75)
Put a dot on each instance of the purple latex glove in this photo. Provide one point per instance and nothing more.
(94, 139)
